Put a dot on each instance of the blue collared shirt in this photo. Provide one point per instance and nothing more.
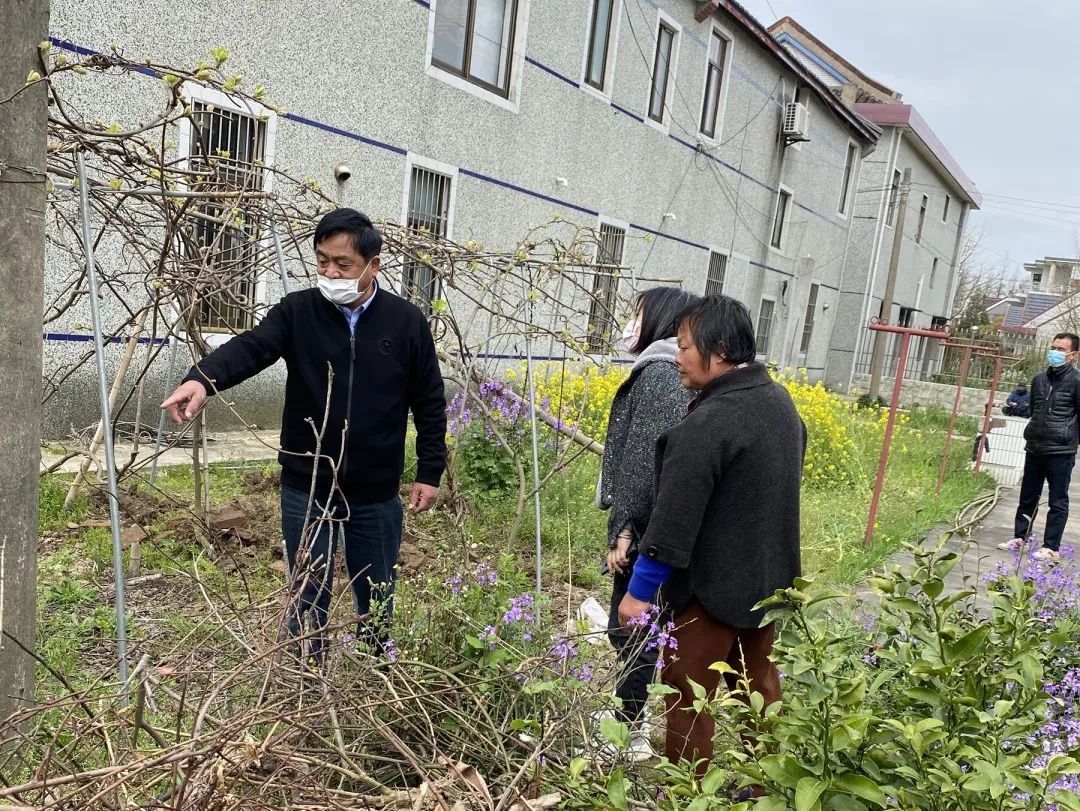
(351, 315)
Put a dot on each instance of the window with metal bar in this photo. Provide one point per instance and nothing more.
(429, 212)
(808, 321)
(714, 284)
(609, 257)
(714, 82)
(225, 154)
(661, 75)
(764, 326)
(922, 218)
(849, 178)
(933, 272)
(475, 40)
(783, 206)
(599, 43)
(945, 208)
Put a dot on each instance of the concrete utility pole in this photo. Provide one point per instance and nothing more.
(23, 123)
(877, 358)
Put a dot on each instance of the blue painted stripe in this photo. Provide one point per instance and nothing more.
(81, 51)
(514, 187)
(624, 111)
(809, 210)
(723, 163)
(355, 136)
(763, 266)
(81, 337)
(669, 236)
(552, 71)
(541, 358)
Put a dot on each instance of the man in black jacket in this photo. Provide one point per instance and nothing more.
(724, 533)
(359, 359)
(1052, 435)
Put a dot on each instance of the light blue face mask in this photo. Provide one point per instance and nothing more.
(1055, 357)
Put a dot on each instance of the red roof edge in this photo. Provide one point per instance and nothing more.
(905, 115)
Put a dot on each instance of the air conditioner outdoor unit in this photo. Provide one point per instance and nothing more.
(796, 121)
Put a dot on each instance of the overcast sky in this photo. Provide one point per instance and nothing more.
(999, 82)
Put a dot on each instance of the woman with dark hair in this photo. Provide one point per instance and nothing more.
(649, 402)
(724, 532)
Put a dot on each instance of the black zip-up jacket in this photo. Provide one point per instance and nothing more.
(1054, 428)
(381, 372)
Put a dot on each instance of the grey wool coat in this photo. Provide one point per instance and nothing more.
(727, 506)
(648, 403)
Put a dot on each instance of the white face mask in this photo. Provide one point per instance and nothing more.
(631, 333)
(341, 291)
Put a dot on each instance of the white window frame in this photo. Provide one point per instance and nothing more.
(664, 125)
(412, 159)
(193, 91)
(945, 208)
(728, 256)
(847, 202)
(810, 314)
(614, 223)
(757, 326)
(725, 83)
(613, 48)
(782, 247)
(512, 100)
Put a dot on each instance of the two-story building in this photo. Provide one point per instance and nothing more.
(703, 153)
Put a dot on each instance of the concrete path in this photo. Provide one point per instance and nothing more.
(979, 552)
(245, 446)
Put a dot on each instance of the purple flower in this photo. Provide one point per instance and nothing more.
(491, 636)
(520, 609)
(390, 650)
(485, 575)
(583, 673)
(453, 584)
(563, 649)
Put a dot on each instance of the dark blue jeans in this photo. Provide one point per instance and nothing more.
(1056, 471)
(371, 534)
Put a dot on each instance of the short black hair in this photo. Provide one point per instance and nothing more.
(720, 325)
(1074, 339)
(660, 307)
(366, 239)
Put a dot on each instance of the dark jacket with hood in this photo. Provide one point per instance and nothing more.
(727, 506)
(1054, 428)
(356, 390)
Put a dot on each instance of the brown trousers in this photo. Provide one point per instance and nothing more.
(701, 642)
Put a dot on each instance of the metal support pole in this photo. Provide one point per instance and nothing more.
(174, 341)
(535, 438)
(281, 264)
(877, 358)
(989, 412)
(886, 443)
(961, 379)
(106, 418)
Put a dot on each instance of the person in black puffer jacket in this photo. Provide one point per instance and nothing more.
(650, 401)
(1052, 436)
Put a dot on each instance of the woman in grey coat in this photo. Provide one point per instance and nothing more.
(650, 401)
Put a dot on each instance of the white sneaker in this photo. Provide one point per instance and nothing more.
(1015, 545)
(638, 751)
(1046, 553)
